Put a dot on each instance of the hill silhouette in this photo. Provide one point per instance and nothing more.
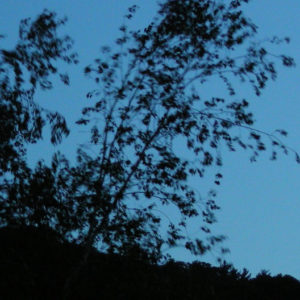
(35, 264)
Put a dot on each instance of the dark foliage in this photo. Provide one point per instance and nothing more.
(29, 66)
(118, 195)
(34, 264)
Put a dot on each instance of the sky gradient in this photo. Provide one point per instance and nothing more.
(260, 202)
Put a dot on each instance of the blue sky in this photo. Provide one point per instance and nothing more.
(260, 201)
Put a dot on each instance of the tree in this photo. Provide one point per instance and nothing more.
(148, 93)
(23, 70)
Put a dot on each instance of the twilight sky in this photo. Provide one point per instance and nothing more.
(260, 202)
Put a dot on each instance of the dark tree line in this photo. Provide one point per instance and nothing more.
(147, 94)
(34, 265)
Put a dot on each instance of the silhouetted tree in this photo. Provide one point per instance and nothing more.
(147, 96)
(23, 70)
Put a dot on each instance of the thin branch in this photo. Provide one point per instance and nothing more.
(270, 135)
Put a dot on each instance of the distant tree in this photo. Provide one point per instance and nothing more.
(147, 95)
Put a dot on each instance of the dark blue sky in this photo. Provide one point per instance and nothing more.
(260, 201)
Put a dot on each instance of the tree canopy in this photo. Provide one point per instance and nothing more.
(147, 95)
